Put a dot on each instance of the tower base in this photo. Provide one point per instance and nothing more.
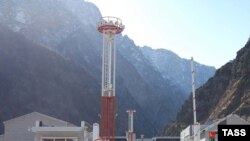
(107, 132)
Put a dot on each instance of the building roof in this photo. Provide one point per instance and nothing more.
(218, 121)
(39, 114)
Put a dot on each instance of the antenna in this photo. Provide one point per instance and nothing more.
(130, 134)
(193, 89)
(196, 126)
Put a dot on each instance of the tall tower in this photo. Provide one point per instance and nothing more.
(109, 27)
(193, 89)
(196, 126)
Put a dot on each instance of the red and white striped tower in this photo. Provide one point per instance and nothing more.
(130, 133)
(109, 27)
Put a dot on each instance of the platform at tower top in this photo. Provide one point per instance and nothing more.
(110, 24)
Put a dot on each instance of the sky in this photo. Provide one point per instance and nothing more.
(212, 31)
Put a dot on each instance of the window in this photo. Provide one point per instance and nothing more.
(59, 139)
(48, 140)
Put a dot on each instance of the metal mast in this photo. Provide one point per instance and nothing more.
(196, 126)
(109, 27)
(130, 133)
(193, 89)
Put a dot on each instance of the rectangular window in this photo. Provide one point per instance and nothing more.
(63, 139)
(48, 139)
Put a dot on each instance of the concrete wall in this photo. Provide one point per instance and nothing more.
(186, 133)
(18, 129)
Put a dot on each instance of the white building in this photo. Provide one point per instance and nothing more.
(39, 127)
(232, 119)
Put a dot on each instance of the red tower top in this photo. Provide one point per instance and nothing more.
(110, 24)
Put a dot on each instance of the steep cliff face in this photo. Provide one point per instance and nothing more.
(236, 98)
(225, 93)
(33, 78)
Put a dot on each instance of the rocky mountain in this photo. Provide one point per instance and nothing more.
(34, 78)
(226, 93)
(167, 63)
(68, 28)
